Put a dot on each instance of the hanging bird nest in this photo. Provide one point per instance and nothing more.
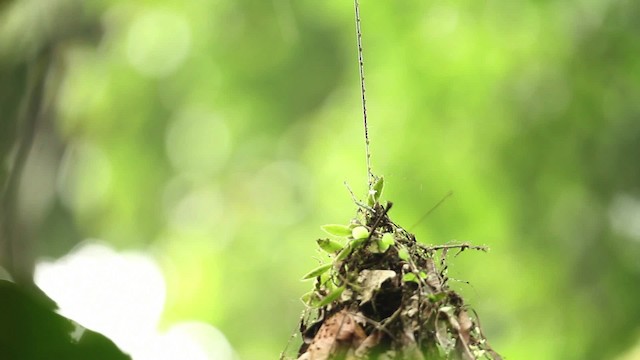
(383, 295)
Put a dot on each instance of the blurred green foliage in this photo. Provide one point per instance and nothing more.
(216, 135)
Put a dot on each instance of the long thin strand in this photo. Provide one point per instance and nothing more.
(363, 91)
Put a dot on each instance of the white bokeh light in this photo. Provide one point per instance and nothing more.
(190, 340)
(121, 295)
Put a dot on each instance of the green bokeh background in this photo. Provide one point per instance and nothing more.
(216, 135)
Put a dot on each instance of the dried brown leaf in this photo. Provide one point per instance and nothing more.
(338, 332)
(371, 281)
(466, 324)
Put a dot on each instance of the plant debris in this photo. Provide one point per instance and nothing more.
(385, 296)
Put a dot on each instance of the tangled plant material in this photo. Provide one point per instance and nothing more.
(386, 296)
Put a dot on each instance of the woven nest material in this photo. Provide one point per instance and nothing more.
(385, 296)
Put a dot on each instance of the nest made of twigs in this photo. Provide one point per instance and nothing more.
(385, 296)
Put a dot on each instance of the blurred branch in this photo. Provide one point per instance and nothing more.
(11, 258)
(31, 33)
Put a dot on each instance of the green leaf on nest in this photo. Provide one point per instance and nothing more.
(317, 271)
(360, 232)
(376, 191)
(413, 277)
(334, 295)
(336, 230)
(385, 242)
(329, 246)
(437, 297)
(344, 253)
(408, 277)
(403, 254)
(356, 243)
(352, 245)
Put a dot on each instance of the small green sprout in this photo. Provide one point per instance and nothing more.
(317, 271)
(403, 253)
(336, 230)
(410, 277)
(352, 245)
(360, 232)
(344, 253)
(323, 278)
(356, 243)
(329, 246)
(413, 277)
(437, 297)
(334, 295)
(385, 242)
